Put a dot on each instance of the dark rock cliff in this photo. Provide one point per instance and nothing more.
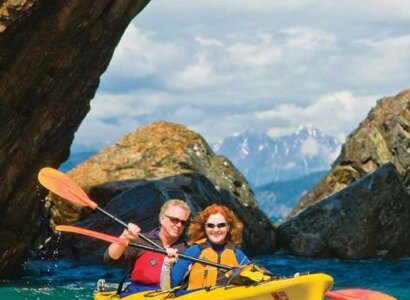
(370, 218)
(52, 54)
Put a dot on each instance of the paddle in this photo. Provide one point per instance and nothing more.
(113, 239)
(63, 186)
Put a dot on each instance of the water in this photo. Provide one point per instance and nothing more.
(390, 277)
(61, 279)
(68, 280)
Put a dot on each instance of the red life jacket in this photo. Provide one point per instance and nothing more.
(147, 267)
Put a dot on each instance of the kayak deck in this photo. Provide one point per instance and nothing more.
(305, 287)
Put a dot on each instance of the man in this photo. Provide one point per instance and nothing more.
(146, 265)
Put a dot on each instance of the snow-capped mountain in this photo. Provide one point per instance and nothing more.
(263, 159)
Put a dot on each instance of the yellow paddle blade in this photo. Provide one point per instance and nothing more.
(63, 186)
(93, 234)
(357, 294)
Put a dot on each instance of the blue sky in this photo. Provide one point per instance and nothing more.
(222, 67)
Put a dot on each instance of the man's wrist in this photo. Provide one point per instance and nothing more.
(167, 264)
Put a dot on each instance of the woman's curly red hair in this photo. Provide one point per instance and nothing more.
(196, 229)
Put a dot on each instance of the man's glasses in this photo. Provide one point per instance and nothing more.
(212, 225)
(175, 220)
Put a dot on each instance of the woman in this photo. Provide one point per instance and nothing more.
(214, 235)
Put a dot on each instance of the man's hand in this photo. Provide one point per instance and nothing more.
(131, 233)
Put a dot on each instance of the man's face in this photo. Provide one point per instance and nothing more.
(173, 222)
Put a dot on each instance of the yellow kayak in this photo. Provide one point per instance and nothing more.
(303, 287)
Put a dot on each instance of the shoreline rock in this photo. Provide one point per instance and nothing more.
(368, 219)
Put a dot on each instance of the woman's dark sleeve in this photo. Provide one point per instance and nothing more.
(181, 268)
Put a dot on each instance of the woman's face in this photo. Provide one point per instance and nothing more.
(216, 228)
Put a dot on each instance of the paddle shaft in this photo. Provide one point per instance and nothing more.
(182, 256)
(61, 184)
(106, 213)
(118, 221)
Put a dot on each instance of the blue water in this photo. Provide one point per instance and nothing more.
(390, 277)
(68, 280)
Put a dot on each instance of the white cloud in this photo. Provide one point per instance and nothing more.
(140, 54)
(390, 42)
(344, 9)
(188, 115)
(96, 133)
(279, 131)
(208, 42)
(381, 60)
(336, 114)
(308, 39)
(310, 147)
(249, 55)
(134, 104)
(330, 156)
(196, 75)
(381, 9)
(116, 106)
(221, 67)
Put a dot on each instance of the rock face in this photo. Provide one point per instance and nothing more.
(52, 54)
(370, 218)
(361, 207)
(141, 205)
(159, 150)
(159, 162)
(383, 137)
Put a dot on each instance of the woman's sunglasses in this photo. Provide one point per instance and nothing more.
(175, 220)
(212, 225)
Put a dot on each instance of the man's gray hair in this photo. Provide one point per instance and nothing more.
(173, 202)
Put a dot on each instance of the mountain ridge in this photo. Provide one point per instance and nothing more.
(264, 159)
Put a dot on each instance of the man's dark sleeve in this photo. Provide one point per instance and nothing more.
(127, 258)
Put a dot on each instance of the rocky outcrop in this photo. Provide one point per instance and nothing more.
(141, 205)
(158, 162)
(52, 54)
(370, 218)
(383, 137)
(152, 152)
